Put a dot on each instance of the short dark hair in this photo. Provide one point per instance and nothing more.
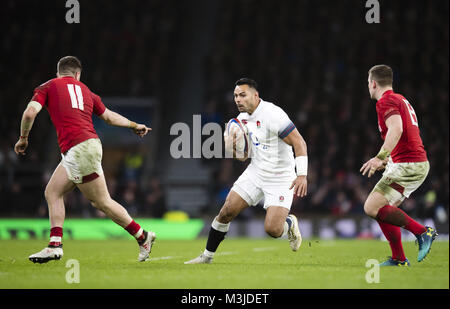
(246, 81)
(382, 74)
(69, 64)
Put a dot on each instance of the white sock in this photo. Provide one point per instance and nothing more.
(208, 253)
(221, 227)
(285, 229)
(139, 233)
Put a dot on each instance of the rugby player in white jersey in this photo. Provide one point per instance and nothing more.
(274, 173)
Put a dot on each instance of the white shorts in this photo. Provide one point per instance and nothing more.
(401, 179)
(83, 162)
(275, 191)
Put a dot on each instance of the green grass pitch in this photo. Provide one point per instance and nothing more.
(240, 263)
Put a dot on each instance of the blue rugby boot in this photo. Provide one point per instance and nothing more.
(393, 262)
(425, 240)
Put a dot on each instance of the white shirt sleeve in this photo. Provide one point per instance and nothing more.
(280, 123)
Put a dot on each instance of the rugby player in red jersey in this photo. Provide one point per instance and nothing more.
(404, 159)
(71, 104)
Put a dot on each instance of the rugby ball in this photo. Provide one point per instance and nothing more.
(235, 129)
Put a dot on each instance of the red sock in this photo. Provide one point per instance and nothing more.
(56, 234)
(135, 230)
(394, 236)
(397, 217)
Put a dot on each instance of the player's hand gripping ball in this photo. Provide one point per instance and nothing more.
(236, 139)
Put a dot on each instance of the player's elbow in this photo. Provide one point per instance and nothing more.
(30, 114)
(398, 128)
(107, 117)
(303, 144)
(108, 121)
(397, 132)
(300, 147)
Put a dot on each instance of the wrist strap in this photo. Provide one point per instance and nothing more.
(23, 137)
(383, 154)
(301, 165)
(132, 124)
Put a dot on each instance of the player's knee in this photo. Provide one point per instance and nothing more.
(96, 205)
(49, 194)
(101, 203)
(370, 210)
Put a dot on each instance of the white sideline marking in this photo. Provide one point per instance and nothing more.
(254, 249)
(227, 253)
(217, 254)
(162, 258)
(264, 249)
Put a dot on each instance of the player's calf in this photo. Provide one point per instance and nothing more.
(227, 213)
(274, 231)
(225, 216)
(275, 221)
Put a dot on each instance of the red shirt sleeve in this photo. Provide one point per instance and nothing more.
(99, 107)
(386, 109)
(41, 93)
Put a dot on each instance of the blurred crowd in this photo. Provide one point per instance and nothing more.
(125, 51)
(309, 57)
(22, 188)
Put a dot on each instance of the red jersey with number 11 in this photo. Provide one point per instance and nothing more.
(410, 147)
(70, 104)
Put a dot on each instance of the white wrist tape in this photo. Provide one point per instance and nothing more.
(301, 165)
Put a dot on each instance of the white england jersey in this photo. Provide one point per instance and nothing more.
(270, 155)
